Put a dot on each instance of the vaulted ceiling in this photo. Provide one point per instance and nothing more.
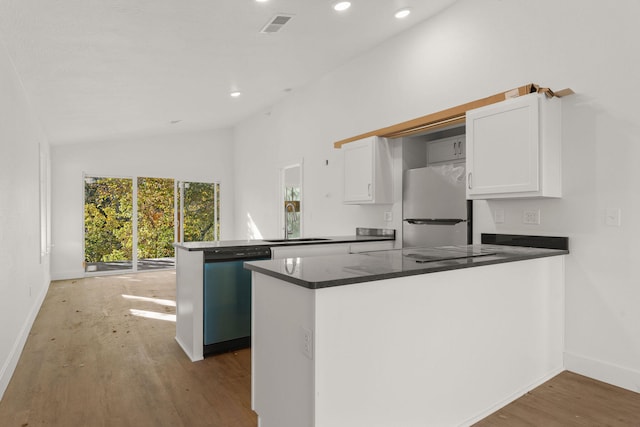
(101, 69)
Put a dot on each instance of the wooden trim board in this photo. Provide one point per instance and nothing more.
(450, 116)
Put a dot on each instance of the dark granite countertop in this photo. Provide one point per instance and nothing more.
(336, 270)
(362, 235)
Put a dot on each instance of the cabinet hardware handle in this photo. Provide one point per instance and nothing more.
(369, 190)
(455, 150)
(469, 181)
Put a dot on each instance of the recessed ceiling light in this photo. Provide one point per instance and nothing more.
(235, 94)
(342, 5)
(262, 1)
(403, 13)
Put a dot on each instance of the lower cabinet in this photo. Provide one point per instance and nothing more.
(371, 354)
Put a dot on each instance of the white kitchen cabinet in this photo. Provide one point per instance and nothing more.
(329, 357)
(367, 171)
(447, 150)
(513, 149)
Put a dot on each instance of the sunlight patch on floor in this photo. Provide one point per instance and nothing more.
(153, 315)
(165, 302)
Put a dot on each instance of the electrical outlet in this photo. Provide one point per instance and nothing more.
(531, 216)
(307, 343)
(498, 216)
(388, 216)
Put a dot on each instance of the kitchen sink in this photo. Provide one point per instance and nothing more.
(300, 239)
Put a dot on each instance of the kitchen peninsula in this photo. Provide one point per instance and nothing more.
(213, 290)
(411, 337)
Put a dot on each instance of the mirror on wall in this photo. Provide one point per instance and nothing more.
(291, 200)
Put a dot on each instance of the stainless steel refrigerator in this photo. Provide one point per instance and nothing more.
(434, 206)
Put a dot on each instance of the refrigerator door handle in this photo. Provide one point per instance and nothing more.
(437, 221)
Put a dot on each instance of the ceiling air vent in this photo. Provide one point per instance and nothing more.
(276, 23)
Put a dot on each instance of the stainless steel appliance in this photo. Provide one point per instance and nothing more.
(435, 209)
(227, 297)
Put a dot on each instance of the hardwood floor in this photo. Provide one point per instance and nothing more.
(92, 361)
(569, 400)
(102, 353)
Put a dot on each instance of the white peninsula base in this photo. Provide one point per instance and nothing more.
(439, 349)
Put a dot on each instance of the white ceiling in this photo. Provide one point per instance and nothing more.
(102, 69)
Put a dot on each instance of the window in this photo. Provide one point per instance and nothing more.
(200, 211)
(291, 190)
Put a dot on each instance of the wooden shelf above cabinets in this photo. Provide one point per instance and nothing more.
(451, 116)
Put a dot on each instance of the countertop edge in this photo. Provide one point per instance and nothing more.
(396, 274)
(203, 246)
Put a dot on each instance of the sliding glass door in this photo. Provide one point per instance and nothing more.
(155, 225)
(108, 224)
(131, 227)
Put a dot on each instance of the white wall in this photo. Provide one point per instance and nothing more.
(301, 128)
(198, 156)
(474, 49)
(24, 269)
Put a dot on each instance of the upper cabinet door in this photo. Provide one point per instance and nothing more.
(367, 173)
(513, 149)
(358, 171)
(448, 150)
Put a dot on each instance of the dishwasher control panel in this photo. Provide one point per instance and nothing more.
(237, 253)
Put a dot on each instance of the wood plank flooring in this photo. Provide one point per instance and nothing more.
(102, 353)
(569, 400)
(92, 361)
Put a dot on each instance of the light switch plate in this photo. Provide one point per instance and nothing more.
(388, 216)
(498, 216)
(613, 217)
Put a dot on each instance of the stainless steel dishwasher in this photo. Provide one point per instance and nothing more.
(227, 297)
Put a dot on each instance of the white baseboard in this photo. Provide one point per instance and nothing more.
(67, 275)
(9, 366)
(513, 397)
(603, 371)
